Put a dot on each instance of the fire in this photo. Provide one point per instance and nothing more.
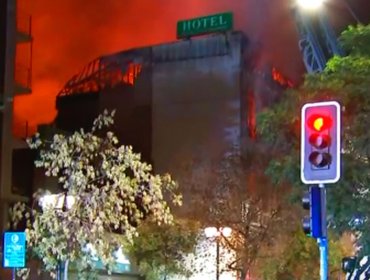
(278, 77)
(132, 73)
(68, 34)
(251, 119)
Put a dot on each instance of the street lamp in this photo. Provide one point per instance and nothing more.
(217, 234)
(310, 4)
(57, 201)
(317, 4)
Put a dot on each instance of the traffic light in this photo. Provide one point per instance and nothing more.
(315, 201)
(320, 142)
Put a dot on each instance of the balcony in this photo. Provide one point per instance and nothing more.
(23, 79)
(24, 27)
(23, 67)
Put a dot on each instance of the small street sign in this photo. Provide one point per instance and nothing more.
(14, 249)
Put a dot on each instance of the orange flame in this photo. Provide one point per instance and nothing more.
(68, 34)
(278, 77)
(132, 73)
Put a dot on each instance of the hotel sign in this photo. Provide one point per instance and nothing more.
(204, 25)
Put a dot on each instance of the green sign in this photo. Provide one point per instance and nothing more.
(204, 25)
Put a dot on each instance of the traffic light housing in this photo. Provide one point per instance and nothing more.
(320, 142)
(315, 201)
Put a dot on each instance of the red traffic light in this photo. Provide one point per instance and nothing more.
(320, 142)
(319, 122)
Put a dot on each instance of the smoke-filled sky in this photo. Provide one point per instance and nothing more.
(70, 33)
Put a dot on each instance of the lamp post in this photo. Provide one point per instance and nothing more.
(310, 4)
(217, 234)
(316, 4)
(57, 201)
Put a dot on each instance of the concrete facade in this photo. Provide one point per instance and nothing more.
(190, 104)
(197, 108)
(185, 108)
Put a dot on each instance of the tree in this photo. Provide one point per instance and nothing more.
(161, 250)
(298, 258)
(111, 191)
(346, 79)
(240, 197)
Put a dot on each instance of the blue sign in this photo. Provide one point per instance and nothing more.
(14, 249)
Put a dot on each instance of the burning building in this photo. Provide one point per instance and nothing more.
(182, 105)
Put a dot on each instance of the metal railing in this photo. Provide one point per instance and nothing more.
(24, 23)
(23, 76)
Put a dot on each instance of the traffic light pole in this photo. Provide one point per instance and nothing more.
(323, 243)
(320, 164)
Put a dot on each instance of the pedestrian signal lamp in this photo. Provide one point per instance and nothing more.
(320, 142)
(315, 224)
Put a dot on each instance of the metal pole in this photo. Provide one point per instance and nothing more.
(58, 271)
(323, 244)
(13, 274)
(217, 259)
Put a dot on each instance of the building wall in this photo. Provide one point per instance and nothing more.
(3, 17)
(193, 103)
(132, 103)
(14, 185)
(196, 116)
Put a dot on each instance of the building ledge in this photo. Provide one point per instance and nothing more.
(22, 90)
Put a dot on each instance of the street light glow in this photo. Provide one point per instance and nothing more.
(56, 201)
(214, 232)
(211, 232)
(310, 4)
(226, 231)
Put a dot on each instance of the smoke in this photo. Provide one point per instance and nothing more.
(70, 33)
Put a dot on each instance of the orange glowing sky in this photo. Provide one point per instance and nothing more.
(70, 33)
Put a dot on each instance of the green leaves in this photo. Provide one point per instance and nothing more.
(347, 80)
(356, 40)
(161, 249)
(298, 258)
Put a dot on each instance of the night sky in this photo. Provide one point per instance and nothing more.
(70, 33)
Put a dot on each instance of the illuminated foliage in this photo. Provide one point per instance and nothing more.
(298, 258)
(113, 193)
(347, 80)
(161, 250)
(241, 198)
